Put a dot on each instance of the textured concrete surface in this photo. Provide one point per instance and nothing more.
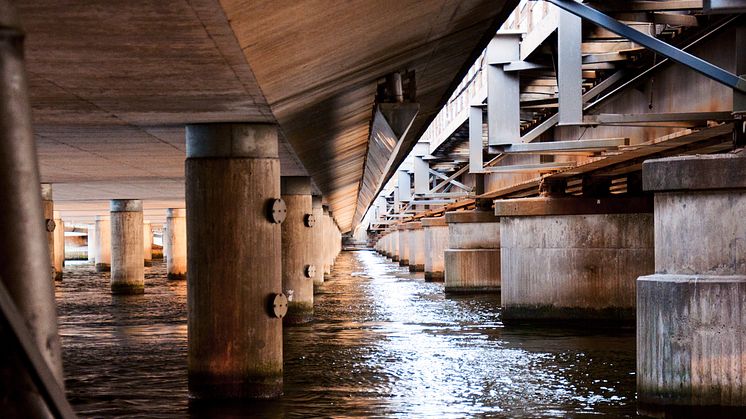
(580, 267)
(472, 260)
(436, 242)
(690, 313)
(113, 83)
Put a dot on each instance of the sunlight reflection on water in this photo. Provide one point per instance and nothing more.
(384, 343)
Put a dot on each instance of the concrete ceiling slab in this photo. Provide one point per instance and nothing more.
(113, 83)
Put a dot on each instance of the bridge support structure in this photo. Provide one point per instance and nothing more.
(234, 293)
(127, 264)
(573, 258)
(175, 243)
(298, 268)
(436, 242)
(691, 313)
(472, 260)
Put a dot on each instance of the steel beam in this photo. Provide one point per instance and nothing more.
(569, 69)
(404, 186)
(476, 159)
(503, 90)
(450, 179)
(695, 63)
(564, 147)
(531, 168)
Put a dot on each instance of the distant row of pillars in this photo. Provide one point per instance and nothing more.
(675, 264)
(234, 263)
(120, 243)
(253, 273)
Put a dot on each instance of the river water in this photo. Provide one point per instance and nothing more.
(384, 343)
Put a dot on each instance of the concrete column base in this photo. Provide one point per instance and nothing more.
(298, 313)
(417, 268)
(691, 314)
(582, 267)
(472, 270)
(403, 262)
(394, 258)
(691, 340)
(434, 276)
(103, 267)
(177, 276)
(58, 275)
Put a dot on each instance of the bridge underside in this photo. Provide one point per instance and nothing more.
(113, 84)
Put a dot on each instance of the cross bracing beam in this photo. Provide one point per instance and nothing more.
(571, 147)
(451, 180)
(682, 57)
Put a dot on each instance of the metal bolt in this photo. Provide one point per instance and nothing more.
(309, 220)
(51, 225)
(310, 271)
(278, 211)
(279, 305)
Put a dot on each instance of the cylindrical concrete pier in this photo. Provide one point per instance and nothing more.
(472, 260)
(416, 246)
(147, 243)
(103, 243)
(127, 271)
(317, 240)
(234, 261)
(403, 233)
(436, 242)
(175, 243)
(691, 314)
(326, 244)
(59, 246)
(91, 243)
(24, 259)
(395, 252)
(49, 224)
(298, 269)
(573, 258)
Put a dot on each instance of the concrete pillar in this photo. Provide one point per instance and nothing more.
(298, 268)
(691, 314)
(326, 242)
(317, 240)
(573, 258)
(103, 243)
(59, 246)
(48, 208)
(147, 243)
(416, 246)
(472, 260)
(175, 243)
(127, 268)
(436, 242)
(396, 255)
(24, 259)
(403, 232)
(235, 300)
(91, 246)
